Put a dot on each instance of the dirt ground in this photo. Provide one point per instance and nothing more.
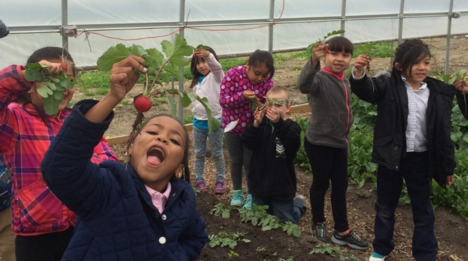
(277, 245)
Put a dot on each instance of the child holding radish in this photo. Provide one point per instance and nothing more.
(42, 223)
(411, 142)
(207, 76)
(274, 140)
(143, 210)
(327, 136)
(242, 85)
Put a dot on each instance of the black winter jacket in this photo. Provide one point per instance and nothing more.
(271, 174)
(389, 93)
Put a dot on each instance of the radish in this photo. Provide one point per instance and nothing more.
(142, 103)
(64, 67)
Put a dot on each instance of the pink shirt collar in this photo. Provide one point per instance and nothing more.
(159, 199)
(337, 75)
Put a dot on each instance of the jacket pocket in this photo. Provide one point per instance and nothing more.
(380, 142)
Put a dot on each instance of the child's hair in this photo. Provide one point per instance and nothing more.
(185, 160)
(410, 52)
(340, 44)
(193, 66)
(46, 53)
(263, 57)
(280, 89)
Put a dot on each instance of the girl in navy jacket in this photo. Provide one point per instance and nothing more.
(142, 210)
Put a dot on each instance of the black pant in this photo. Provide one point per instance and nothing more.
(414, 169)
(328, 164)
(47, 247)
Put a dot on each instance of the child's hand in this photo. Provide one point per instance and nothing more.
(320, 49)
(461, 85)
(201, 53)
(248, 95)
(273, 115)
(450, 180)
(359, 63)
(123, 78)
(258, 117)
(54, 68)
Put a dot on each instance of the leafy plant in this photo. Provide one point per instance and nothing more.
(334, 251)
(323, 40)
(221, 210)
(162, 66)
(51, 86)
(258, 216)
(224, 239)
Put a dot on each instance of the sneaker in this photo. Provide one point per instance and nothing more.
(351, 239)
(248, 202)
(236, 198)
(319, 231)
(200, 186)
(376, 257)
(220, 188)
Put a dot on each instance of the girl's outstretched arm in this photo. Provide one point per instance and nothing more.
(122, 80)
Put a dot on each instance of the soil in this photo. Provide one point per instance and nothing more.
(277, 245)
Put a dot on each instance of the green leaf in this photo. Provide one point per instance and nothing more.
(44, 91)
(137, 50)
(172, 104)
(58, 96)
(176, 53)
(51, 107)
(112, 55)
(51, 85)
(187, 99)
(173, 70)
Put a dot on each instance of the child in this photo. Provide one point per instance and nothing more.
(327, 136)
(207, 76)
(143, 210)
(239, 87)
(275, 140)
(411, 142)
(43, 224)
(7, 238)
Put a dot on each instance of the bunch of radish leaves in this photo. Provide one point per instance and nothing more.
(323, 40)
(51, 87)
(451, 78)
(162, 66)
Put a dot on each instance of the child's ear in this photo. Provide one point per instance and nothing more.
(398, 66)
(288, 107)
(179, 173)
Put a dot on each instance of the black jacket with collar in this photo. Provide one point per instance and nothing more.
(388, 91)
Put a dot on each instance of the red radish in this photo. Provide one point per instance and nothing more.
(142, 103)
(64, 66)
(325, 49)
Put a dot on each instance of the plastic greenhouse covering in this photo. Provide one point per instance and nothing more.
(230, 27)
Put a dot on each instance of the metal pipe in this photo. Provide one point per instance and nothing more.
(270, 28)
(65, 23)
(181, 79)
(449, 31)
(400, 20)
(343, 15)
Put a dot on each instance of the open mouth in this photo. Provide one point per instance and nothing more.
(155, 156)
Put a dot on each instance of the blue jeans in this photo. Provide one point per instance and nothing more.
(216, 143)
(285, 210)
(414, 168)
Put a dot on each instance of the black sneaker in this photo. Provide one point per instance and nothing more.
(320, 232)
(351, 239)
